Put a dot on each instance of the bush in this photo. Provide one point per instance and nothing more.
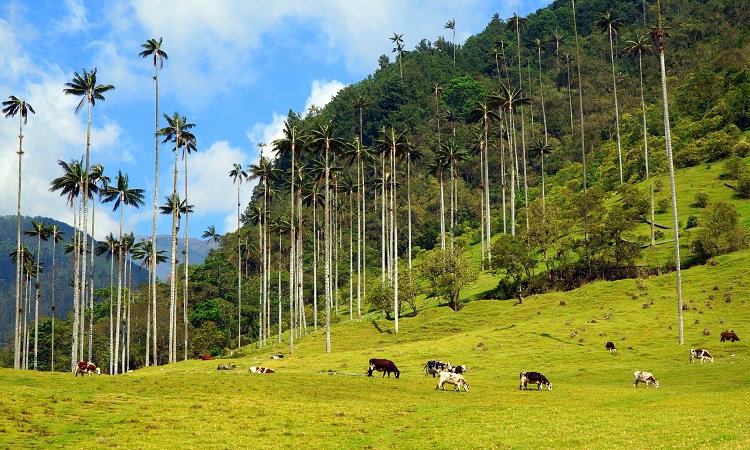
(743, 185)
(735, 166)
(692, 222)
(663, 205)
(741, 149)
(701, 200)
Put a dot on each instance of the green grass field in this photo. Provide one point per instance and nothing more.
(316, 400)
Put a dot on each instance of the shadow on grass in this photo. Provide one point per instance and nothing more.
(380, 330)
(547, 335)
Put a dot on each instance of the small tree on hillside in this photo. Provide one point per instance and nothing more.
(721, 232)
(447, 272)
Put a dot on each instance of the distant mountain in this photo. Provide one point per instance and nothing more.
(198, 251)
(64, 268)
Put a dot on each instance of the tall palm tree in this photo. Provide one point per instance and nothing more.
(238, 175)
(25, 259)
(323, 137)
(177, 131)
(610, 24)
(568, 58)
(583, 138)
(539, 44)
(211, 235)
(187, 148)
(484, 113)
(660, 34)
(451, 25)
(98, 182)
(12, 107)
(108, 246)
(86, 87)
(42, 232)
(122, 195)
(639, 46)
(57, 236)
(517, 24)
(152, 48)
(398, 41)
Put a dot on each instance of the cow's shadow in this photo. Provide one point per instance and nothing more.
(380, 330)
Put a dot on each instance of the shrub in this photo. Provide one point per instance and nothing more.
(692, 222)
(663, 205)
(701, 200)
(743, 185)
(741, 149)
(735, 166)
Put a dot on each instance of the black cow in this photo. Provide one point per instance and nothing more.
(434, 366)
(534, 378)
(383, 365)
(610, 346)
(729, 336)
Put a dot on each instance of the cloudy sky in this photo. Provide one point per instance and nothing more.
(234, 69)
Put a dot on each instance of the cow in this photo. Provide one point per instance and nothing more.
(456, 379)
(458, 369)
(644, 377)
(383, 365)
(700, 354)
(84, 368)
(534, 378)
(256, 369)
(434, 366)
(206, 357)
(610, 346)
(279, 356)
(730, 336)
(226, 367)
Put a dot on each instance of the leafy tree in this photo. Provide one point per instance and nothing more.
(514, 256)
(447, 272)
(720, 231)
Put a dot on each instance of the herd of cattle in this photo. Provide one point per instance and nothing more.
(453, 375)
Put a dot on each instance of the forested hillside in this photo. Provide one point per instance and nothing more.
(534, 156)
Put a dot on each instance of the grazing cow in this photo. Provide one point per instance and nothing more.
(434, 366)
(383, 365)
(644, 377)
(610, 346)
(730, 336)
(279, 356)
(458, 369)
(456, 379)
(700, 354)
(256, 369)
(226, 367)
(84, 368)
(534, 378)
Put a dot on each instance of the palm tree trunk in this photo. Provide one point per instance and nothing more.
(617, 109)
(120, 268)
(17, 328)
(187, 254)
(36, 307)
(173, 263)
(239, 274)
(327, 256)
(85, 218)
(645, 144)
(52, 342)
(76, 288)
(152, 274)
(91, 287)
(111, 311)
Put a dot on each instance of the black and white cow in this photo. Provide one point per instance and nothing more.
(458, 369)
(700, 354)
(256, 369)
(644, 377)
(534, 378)
(456, 379)
(610, 346)
(434, 366)
(279, 356)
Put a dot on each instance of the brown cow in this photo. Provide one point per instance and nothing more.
(84, 368)
(256, 369)
(729, 336)
(383, 365)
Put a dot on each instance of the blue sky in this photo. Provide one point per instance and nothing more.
(234, 69)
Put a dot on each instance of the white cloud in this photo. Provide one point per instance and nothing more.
(75, 21)
(322, 93)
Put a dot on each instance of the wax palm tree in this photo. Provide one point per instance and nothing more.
(568, 59)
(541, 147)
(610, 24)
(640, 46)
(108, 247)
(238, 175)
(42, 232)
(660, 34)
(437, 168)
(398, 41)
(98, 183)
(178, 132)
(25, 259)
(451, 25)
(12, 107)
(516, 24)
(152, 48)
(539, 44)
(86, 87)
(413, 155)
(187, 148)
(57, 237)
(324, 138)
(211, 235)
(122, 195)
(583, 139)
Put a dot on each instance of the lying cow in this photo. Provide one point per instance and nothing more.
(226, 367)
(610, 346)
(434, 366)
(700, 354)
(84, 368)
(456, 379)
(644, 377)
(256, 369)
(279, 356)
(730, 336)
(534, 378)
(206, 357)
(383, 365)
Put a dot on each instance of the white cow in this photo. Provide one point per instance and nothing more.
(644, 377)
(700, 354)
(456, 379)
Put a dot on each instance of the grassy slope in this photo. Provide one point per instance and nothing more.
(593, 404)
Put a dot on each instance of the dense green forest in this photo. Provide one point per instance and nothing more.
(541, 135)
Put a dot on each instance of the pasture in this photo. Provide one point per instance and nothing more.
(316, 400)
